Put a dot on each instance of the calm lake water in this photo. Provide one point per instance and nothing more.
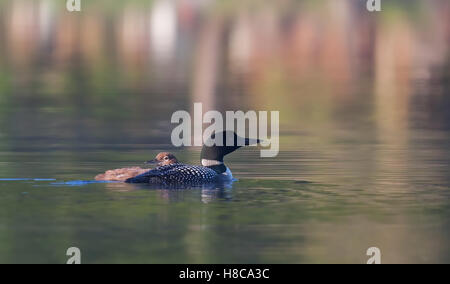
(364, 133)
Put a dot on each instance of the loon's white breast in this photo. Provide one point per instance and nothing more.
(227, 174)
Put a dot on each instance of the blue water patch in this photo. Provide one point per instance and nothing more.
(27, 179)
(55, 183)
(80, 182)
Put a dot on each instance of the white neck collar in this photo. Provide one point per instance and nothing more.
(210, 163)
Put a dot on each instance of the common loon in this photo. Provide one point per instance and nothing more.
(212, 169)
(162, 159)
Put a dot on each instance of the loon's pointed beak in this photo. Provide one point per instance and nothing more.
(251, 141)
(151, 162)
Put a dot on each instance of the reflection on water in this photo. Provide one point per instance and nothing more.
(364, 137)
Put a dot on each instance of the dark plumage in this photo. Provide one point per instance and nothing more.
(175, 174)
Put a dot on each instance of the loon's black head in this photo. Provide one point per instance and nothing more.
(217, 152)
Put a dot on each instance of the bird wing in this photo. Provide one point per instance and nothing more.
(154, 173)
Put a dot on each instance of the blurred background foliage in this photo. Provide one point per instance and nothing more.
(131, 63)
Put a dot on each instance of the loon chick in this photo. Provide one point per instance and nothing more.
(212, 169)
(123, 174)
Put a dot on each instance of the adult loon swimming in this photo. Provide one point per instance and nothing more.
(212, 169)
(123, 174)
